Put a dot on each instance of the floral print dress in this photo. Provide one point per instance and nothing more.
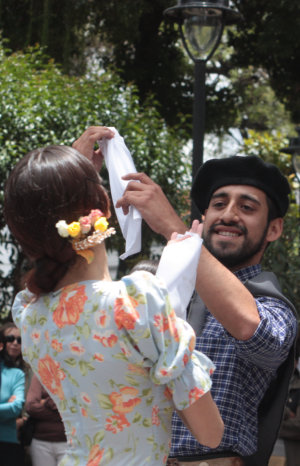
(115, 359)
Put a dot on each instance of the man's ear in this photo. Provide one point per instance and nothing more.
(275, 229)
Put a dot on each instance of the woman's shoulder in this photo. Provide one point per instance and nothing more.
(13, 373)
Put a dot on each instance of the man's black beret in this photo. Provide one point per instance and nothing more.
(248, 170)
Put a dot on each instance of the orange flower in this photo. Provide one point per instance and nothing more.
(116, 423)
(155, 418)
(173, 329)
(125, 401)
(77, 348)
(99, 357)
(165, 372)
(107, 340)
(162, 323)
(195, 394)
(185, 359)
(85, 397)
(84, 412)
(101, 318)
(138, 369)
(125, 312)
(168, 393)
(192, 343)
(35, 336)
(51, 375)
(56, 345)
(95, 456)
(70, 306)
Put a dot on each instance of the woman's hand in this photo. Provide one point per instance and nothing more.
(196, 227)
(85, 144)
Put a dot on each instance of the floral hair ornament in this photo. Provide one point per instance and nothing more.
(86, 233)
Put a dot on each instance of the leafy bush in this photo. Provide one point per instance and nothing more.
(39, 105)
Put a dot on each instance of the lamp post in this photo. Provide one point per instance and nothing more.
(294, 149)
(201, 26)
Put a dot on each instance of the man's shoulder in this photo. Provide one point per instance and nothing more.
(266, 284)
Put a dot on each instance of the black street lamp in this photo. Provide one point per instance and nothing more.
(294, 149)
(201, 26)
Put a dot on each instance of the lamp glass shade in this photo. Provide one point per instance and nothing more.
(201, 30)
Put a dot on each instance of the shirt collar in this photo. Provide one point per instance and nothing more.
(248, 272)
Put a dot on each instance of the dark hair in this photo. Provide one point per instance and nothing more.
(147, 265)
(7, 360)
(47, 185)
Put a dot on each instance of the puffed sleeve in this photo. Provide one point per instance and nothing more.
(14, 379)
(165, 341)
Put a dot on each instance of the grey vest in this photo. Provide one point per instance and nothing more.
(271, 407)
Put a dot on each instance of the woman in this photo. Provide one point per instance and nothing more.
(112, 355)
(13, 355)
(48, 445)
(12, 389)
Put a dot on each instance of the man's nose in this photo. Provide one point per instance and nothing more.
(230, 213)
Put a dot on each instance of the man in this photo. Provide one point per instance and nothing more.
(243, 201)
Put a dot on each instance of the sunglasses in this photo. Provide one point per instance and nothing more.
(12, 338)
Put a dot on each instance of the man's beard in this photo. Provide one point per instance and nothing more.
(241, 255)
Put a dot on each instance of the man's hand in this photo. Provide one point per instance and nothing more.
(85, 144)
(149, 199)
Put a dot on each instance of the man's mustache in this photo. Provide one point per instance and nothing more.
(241, 228)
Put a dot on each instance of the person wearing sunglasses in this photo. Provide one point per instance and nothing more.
(12, 346)
(12, 396)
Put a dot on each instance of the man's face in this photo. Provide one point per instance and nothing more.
(236, 225)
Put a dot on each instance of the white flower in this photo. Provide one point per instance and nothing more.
(62, 228)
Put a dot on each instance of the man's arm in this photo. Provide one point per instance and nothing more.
(224, 295)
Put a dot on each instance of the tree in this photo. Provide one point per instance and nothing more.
(146, 50)
(282, 256)
(52, 108)
(268, 37)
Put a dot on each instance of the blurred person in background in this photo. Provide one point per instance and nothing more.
(12, 396)
(49, 441)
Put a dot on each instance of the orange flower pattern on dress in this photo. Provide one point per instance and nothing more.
(116, 423)
(195, 394)
(115, 360)
(107, 339)
(51, 375)
(95, 456)
(84, 412)
(70, 306)
(125, 312)
(99, 357)
(155, 418)
(102, 318)
(125, 401)
(36, 336)
(77, 348)
(56, 345)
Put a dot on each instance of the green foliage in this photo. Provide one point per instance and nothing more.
(282, 256)
(146, 50)
(268, 37)
(40, 105)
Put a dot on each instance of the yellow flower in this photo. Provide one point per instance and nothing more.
(74, 229)
(101, 224)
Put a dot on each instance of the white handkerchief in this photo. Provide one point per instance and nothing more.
(119, 162)
(178, 269)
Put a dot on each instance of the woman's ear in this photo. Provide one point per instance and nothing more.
(275, 229)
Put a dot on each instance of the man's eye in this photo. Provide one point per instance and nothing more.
(247, 207)
(218, 204)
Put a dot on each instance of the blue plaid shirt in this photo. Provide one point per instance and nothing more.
(243, 372)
